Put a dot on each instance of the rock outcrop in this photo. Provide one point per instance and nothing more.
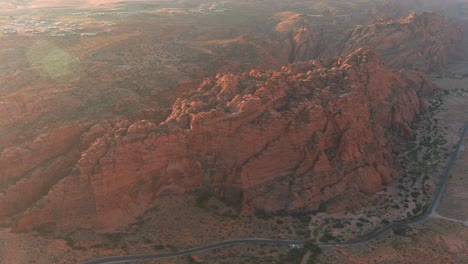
(309, 37)
(283, 140)
(422, 42)
(32, 168)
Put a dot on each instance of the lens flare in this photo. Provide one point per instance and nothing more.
(53, 62)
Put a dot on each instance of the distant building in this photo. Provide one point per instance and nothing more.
(9, 31)
(87, 34)
(57, 35)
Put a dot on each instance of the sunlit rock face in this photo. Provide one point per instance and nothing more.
(422, 42)
(284, 140)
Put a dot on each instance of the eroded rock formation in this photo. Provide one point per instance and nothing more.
(421, 42)
(268, 140)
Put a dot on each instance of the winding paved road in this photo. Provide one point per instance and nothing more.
(126, 259)
(430, 212)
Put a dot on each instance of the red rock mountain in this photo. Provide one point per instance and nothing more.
(421, 42)
(268, 140)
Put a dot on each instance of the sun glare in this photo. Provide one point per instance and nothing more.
(53, 62)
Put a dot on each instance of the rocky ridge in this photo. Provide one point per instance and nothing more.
(423, 42)
(240, 136)
(274, 141)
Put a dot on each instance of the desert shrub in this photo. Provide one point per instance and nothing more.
(262, 214)
(191, 260)
(69, 240)
(202, 198)
(99, 245)
(158, 247)
(114, 238)
(79, 248)
(327, 236)
(303, 232)
(401, 230)
(314, 249)
(294, 255)
(338, 225)
(363, 220)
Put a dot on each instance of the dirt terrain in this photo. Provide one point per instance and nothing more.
(454, 203)
(126, 123)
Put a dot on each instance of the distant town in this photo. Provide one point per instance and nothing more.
(44, 26)
(50, 27)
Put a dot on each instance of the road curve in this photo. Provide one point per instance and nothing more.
(126, 259)
(435, 202)
(446, 174)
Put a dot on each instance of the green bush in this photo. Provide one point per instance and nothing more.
(158, 247)
(327, 236)
(202, 199)
(315, 250)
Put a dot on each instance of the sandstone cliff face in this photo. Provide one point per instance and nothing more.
(421, 42)
(32, 168)
(305, 38)
(304, 44)
(276, 140)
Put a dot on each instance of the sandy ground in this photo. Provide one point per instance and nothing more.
(24, 248)
(435, 242)
(454, 202)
